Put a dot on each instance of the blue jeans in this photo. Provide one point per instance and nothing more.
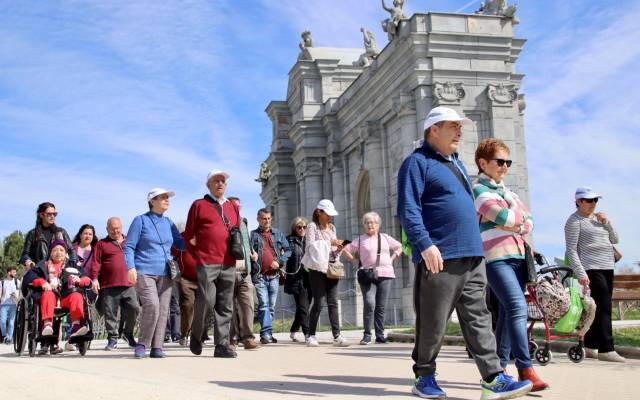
(375, 294)
(267, 289)
(7, 317)
(507, 280)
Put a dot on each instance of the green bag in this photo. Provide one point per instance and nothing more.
(569, 322)
(406, 246)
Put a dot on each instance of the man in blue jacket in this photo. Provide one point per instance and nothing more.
(273, 251)
(436, 209)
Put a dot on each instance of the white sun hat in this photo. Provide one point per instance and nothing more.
(157, 192)
(440, 114)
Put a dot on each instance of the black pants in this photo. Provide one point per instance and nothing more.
(124, 298)
(301, 319)
(321, 288)
(600, 335)
(460, 286)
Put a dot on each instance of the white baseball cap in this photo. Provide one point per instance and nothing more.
(440, 114)
(157, 192)
(586, 193)
(215, 172)
(328, 207)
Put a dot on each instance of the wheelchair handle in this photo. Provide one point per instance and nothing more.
(555, 268)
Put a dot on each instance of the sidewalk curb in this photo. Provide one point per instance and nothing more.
(559, 346)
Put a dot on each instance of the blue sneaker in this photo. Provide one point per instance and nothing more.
(139, 352)
(157, 353)
(504, 387)
(427, 388)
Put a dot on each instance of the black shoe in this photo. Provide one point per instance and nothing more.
(223, 351)
(167, 338)
(130, 340)
(175, 339)
(274, 340)
(265, 339)
(195, 346)
(381, 340)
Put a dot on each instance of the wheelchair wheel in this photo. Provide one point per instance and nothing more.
(34, 329)
(20, 329)
(82, 347)
(533, 346)
(543, 356)
(576, 353)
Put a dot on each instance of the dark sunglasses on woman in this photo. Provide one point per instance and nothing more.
(591, 200)
(501, 162)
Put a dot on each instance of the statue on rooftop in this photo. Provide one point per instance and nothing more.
(264, 174)
(390, 25)
(499, 8)
(306, 40)
(370, 48)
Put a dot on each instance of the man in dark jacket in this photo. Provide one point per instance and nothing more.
(273, 251)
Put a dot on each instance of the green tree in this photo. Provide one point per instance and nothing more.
(12, 249)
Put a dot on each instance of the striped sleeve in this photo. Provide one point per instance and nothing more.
(571, 235)
(489, 205)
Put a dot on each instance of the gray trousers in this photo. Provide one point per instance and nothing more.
(125, 299)
(215, 290)
(460, 286)
(155, 294)
(242, 320)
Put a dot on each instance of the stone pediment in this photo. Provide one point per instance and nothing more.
(344, 56)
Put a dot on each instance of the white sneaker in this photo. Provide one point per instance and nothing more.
(312, 341)
(590, 353)
(340, 341)
(69, 347)
(611, 356)
(293, 337)
(47, 330)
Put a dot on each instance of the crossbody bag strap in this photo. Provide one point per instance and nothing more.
(159, 237)
(218, 208)
(359, 252)
(379, 249)
(456, 171)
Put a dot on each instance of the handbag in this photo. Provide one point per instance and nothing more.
(171, 264)
(369, 275)
(335, 270)
(569, 321)
(532, 275)
(236, 247)
(616, 254)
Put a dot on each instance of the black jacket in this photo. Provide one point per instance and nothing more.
(37, 250)
(41, 271)
(299, 281)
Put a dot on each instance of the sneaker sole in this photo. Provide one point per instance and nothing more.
(508, 395)
(80, 332)
(416, 392)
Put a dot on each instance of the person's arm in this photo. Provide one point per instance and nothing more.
(349, 249)
(190, 227)
(488, 204)
(178, 240)
(95, 266)
(25, 258)
(73, 257)
(606, 223)
(133, 237)
(395, 247)
(571, 236)
(284, 256)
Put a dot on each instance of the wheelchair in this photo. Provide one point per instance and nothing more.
(28, 325)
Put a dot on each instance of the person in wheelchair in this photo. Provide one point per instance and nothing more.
(58, 278)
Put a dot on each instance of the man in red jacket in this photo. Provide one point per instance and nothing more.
(108, 272)
(208, 225)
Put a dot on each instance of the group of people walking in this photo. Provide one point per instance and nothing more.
(452, 225)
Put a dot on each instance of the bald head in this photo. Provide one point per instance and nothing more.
(114, 228)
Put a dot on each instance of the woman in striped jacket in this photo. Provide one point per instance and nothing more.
(589, 238)
(504, 220)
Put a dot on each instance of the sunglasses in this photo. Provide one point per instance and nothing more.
(501, 162)
(301, 227)
(590, 200)
(51, 214)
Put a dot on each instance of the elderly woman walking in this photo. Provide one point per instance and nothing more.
(589, 238)
(375, 252)
(147, 250)
(504, 221)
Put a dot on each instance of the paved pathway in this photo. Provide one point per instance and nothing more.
(284, 371)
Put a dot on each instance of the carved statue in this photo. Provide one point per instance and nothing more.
(500, 8)
(264, 174)
(306, 40)
(390, 25)
(370, 48)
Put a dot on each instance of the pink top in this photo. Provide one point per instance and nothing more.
(369, 250)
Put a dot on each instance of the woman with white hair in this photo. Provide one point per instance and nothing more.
(589, 238)
(375, 252)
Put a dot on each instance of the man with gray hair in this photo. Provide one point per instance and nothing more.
(108, 273)
(436, 210)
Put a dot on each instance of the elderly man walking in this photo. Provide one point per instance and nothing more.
(108, 273)
(436, 209)
(208, 224)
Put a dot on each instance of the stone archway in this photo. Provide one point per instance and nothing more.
(363, 194)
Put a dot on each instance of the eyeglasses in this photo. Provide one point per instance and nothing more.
(590, 200)
(51, 214)
(501, 162)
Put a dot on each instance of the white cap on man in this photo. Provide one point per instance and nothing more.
(155, 192)
(215, 172)
(328, 207)
(586, 193)
(439, 114)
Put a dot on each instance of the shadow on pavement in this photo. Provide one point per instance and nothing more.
(378, 380)
(309, 388)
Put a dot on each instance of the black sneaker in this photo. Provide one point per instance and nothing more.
(130, 340)
(381, 340)
(265, 339)
(223, 351)
(274, 340)
(195, 346)
(112, 344)
(167, 338)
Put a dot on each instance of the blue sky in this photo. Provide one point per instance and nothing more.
(100, 101)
